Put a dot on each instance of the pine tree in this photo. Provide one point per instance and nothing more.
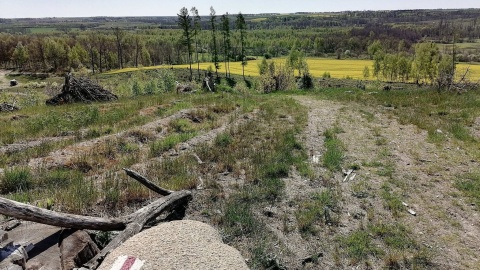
(196, 31)
(213, 22)
(242, 27)
(185, 23)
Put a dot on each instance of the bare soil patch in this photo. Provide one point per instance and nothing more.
(421, 172)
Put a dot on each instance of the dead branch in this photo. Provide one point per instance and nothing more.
(44, 216)
(130, 224)
(137, 220)
(147, 183)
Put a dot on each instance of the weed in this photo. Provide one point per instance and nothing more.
(57, 178)
(319, 207)
(181, 126)
(16, 179)
(392, 201)
(387, 170)
(175, 174)
(223, 140)
(358, 246)
(333, 156)
(460, 132)
(79, 196)
(238, 219)
(394, 235)
(169, 142)
(469, 184)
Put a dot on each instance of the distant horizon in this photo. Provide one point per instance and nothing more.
(233, 14)
(37, 9)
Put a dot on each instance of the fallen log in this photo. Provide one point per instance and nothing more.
(129, 224)
(44, 216)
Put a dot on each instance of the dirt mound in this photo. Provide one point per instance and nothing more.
(80, 90)
(183, 244)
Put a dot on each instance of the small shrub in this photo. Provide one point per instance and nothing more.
(136, 89)
(150, 88)
(16, 179)
(326, 75)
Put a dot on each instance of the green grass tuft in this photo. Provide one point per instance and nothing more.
(16, 179)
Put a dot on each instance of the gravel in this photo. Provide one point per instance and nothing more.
(183, 244)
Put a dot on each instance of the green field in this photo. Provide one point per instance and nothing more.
(318, 66)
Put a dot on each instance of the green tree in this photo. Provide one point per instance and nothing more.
(196, 32)
(318, 46)
(366, 72)
(77, 56)
(213, 25)
(446, 72)
(226, 42)
(427, 57)
(55, 53)
(242, 28)
(296, 60)
(263, 67)
(378, 63)
(374, 48)
(185, 23)
(120, 38)
(20, 55)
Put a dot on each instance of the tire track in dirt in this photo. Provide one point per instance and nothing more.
(322, 115)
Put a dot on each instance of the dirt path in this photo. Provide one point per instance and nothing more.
(422, 173)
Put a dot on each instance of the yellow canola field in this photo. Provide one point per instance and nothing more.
(318, 66)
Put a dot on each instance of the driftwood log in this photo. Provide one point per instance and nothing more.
(80, 90)
(129, 225)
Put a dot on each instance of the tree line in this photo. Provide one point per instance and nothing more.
(225, 38)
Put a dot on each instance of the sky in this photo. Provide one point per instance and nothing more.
(121, 8)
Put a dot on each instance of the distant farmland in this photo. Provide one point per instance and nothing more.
(340, 69)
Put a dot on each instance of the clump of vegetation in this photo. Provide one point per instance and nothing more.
(469, 184)
(320, 207)
(275, 78)
(333, 156)
(16, 179)
(358, 246)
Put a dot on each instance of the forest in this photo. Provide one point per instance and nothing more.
(105, 43)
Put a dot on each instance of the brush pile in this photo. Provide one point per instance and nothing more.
(80, 90)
